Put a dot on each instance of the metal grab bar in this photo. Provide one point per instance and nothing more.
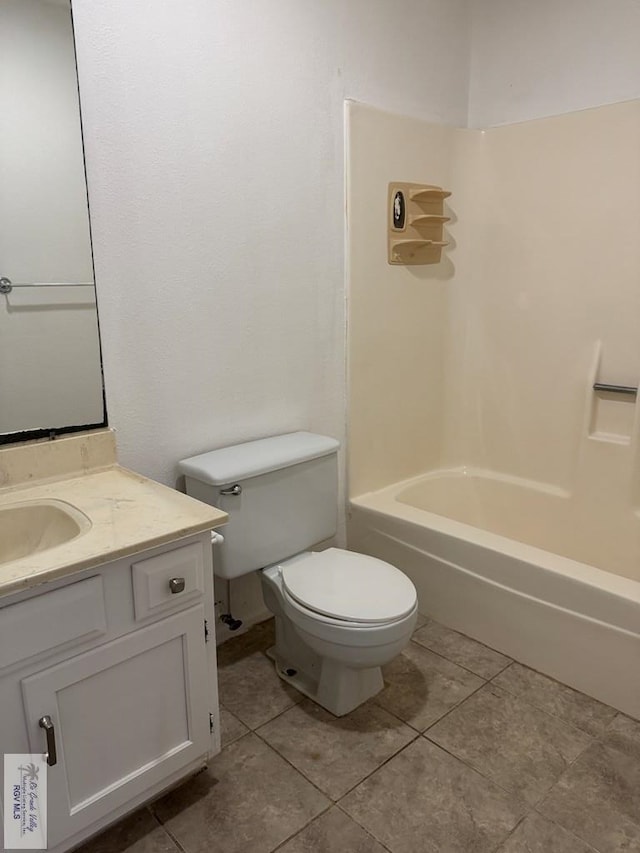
(631, 390)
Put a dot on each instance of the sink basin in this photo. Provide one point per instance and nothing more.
(28, 527)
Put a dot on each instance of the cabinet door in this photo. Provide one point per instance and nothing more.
(126, 715)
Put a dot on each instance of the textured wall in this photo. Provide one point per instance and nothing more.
(214, 144)
(534, 59)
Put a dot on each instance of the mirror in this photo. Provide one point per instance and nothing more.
(50, 366)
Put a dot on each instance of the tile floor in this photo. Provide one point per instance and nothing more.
(464, 750)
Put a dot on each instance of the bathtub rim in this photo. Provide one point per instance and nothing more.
(384, 502)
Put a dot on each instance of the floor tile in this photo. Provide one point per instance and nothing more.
(518, 746)
(251, 689)
(258, 638)
(422, 686)
(248, 801)
(230, 727)
(336, 753)
(332, 832)
(599, 797)
(462, 650)
(537, 835)
(571, 706)
(624, 727)
(425, 801)
(138, 833)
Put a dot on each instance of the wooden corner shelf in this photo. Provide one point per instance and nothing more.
(416, 251)
(415, 223)
(428, 193)
(420, 244)
(428, 219)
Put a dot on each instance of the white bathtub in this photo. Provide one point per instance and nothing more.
(505, 561)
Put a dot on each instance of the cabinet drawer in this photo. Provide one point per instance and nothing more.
(152, 580)
(47, 621)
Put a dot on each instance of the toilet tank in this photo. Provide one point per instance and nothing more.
(281, 494)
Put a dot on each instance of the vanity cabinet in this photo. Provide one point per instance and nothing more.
(127, 675)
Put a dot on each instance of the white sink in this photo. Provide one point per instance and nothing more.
(28, 527)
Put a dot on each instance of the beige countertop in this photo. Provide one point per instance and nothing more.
(128, 513)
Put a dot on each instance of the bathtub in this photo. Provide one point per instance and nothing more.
(520, 566)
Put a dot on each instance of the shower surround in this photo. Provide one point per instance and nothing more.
(481, 460)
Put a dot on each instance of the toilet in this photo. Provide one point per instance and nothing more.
(340, 616)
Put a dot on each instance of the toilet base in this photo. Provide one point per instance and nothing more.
(338, 688)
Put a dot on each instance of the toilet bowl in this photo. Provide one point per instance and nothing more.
(340, 616)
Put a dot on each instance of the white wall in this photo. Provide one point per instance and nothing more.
(214, 144)
(534, 58)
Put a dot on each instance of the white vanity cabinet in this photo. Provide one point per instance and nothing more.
(121, 658)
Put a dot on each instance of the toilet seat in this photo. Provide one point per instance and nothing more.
(347, 587)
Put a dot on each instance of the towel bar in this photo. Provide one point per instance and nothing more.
(632, 390)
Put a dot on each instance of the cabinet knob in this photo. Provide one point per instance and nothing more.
(176, 585)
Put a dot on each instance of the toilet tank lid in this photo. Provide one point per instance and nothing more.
(241, 461)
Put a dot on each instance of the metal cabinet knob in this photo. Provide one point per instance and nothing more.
(176, 585)
(47, 724)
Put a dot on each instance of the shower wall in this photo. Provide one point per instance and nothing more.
(397, 315)
(487, 358)
(552, 268)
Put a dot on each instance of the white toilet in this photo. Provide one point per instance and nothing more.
(340, 616)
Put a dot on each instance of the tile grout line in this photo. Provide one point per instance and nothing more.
(166, 831)
(357, 822)
(355, 785)
(299, 772)
(455, 707)
(528, 807)
(550, 713)
(279, 714)
(509, 834)
(511, 662)
(461, 665)
(302, 828)
(379, 767)
(317, 817)
(531, 807)
(593, 740)
(536, 809)
(271, 719)
(568, 831)
(393, 714)
(521, 698)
